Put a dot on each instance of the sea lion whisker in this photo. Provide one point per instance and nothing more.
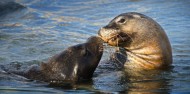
(120, 37)
(121, 54)
(117, 43)
(128, 36)
(131, 39)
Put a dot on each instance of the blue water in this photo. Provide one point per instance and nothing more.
(46, 27)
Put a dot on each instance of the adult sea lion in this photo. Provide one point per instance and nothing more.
(144, 42)
(73, 64)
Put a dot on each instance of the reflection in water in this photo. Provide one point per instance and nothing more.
(149, 81)
(111, 79)
(43, 29)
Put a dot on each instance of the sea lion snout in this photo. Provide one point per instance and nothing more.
(95, 43)
(107, 34)
(113, 35)
(95, 39)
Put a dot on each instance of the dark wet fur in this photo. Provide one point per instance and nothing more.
(76, 63)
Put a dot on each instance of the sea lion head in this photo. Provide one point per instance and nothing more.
(127, 29)
(74, 63)
(90, 54)
(143, 39)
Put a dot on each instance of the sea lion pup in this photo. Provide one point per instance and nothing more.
(73, 64)
(145, 43)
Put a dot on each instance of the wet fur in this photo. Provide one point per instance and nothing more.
(145, 43)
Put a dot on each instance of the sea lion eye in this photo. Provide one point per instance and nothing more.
(122, 20)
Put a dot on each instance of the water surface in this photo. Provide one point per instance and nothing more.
(45, 27)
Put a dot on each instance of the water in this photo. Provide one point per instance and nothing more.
(46, 27)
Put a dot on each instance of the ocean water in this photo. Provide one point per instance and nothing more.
(42, 28)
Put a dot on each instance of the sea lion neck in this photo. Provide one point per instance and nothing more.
(143, 59)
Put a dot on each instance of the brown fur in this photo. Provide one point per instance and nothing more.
(144, 40)
(71, 65)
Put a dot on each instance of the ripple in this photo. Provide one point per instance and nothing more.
(47, 27)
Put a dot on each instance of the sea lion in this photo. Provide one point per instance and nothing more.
(75, 63)
(143, 41)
